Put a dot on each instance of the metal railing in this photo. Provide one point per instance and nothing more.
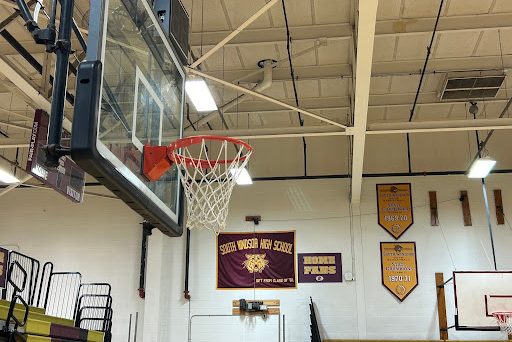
(17, 280)
(62, 294)
(44, 281)
(31, 268)
(94, 308)
(96, 311)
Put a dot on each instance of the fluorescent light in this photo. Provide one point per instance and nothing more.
(7, 178)
(481, 167)
(243, 177)
(200, 95)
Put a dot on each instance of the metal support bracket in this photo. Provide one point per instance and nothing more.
(156, 162)
(146, 231)
(61, 46)
(255, 219)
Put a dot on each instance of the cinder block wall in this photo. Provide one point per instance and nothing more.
(101, 238)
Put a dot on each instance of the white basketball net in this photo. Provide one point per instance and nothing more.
(208, 187)
(504, 320)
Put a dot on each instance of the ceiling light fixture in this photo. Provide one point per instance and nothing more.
(200, 95)
(7, 178)
(481, 167)
(243, 177)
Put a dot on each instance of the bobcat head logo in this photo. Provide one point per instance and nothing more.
(255, 263)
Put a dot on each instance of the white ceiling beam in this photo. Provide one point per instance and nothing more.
(438, 126)
(372, 129)
(8, 3)
(367, 16)
(280, 132)
(14, 125)
(342, 103)
(13, 143)
(234, 33)
(343, 31)
(380, 69)
(14, 5)
(19, 80)
(263, 97)
(14, 186)
(10, 112)
(328, 130)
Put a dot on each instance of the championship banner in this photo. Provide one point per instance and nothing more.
(394, 207)
(67, 178)
(263, 260)
(399, 268)
(319, 268)
(4, 253)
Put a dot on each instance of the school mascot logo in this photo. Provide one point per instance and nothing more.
(255, 263)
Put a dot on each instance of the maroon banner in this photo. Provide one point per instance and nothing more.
(67, 178)
(320, 268)
(3, 266)
(256, 260)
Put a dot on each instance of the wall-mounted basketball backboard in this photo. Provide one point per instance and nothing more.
(130, 92)
(478, 295)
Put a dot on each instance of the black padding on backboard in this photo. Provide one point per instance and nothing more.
(84, 152)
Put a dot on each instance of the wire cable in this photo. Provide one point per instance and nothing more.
(505, 110)
(292, 74)
(429, 50)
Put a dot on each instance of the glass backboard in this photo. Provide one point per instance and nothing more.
(130, 92)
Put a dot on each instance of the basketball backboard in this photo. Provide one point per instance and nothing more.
(477, 295)
(130, 92)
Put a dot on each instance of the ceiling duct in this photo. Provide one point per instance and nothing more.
(267, 66)
(471, 88)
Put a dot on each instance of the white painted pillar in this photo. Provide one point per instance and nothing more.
(359, 271)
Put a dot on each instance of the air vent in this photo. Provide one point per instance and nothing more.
(471, 88)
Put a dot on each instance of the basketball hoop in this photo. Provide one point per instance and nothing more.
(504, 320)
(208, 177)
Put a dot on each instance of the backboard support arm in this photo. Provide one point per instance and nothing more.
(156, 162)
(62, 48)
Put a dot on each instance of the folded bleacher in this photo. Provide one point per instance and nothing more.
(315, 331)
(43, 305)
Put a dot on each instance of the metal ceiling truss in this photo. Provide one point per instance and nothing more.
(360, 72)
(337, 32)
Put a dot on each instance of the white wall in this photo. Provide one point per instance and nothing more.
(359, 309)
(101, 239)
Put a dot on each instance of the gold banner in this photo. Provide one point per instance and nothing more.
(394, 206)
(399, 267)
